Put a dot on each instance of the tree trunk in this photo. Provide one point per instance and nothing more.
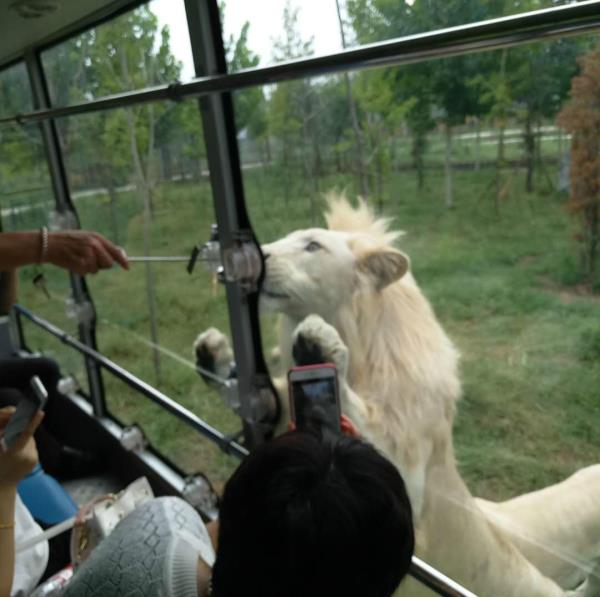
(286, 166)
(309, 171)
(501, 111)
(560, 144)
(591, 216)
(478, 144)
(181, 162)
(379, 179)
(167, 162)
(112, 197)
(149, 182)
(358, 136)
(151, 293)
(268, 143)
(529, 140)
(448, 198)
(418, 152)
(146, 196)
(499, 167)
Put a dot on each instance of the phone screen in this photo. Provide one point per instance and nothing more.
(316, 404)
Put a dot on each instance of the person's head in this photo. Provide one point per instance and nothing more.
(306, 517)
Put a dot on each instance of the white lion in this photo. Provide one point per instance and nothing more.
(348, 290)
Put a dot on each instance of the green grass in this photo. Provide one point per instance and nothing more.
(504, 287)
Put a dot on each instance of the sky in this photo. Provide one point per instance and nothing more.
(316, 18)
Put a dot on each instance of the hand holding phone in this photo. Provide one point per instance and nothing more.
(20, 459)
(314, 398)
(26, 410)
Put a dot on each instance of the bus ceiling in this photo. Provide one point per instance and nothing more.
(33, 23)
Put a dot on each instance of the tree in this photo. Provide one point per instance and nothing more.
(581, 117)
(451, 93)
(439, 86)
(294, 107)
(540, 79)
(20, 148)
(495, 95)
(374, 20)
(132, 53)
(361, 168)
(250, 104)
(382, 114)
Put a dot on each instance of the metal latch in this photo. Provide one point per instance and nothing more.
(62, 220)
(133, 439)
(242, 263)
(68, 385)
(241, 260)
(82, 312)
(209, 253)
(198, 492)
(230, 394)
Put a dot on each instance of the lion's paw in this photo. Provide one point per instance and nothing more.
(213, 353)
(316, 341)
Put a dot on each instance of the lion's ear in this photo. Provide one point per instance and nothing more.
(384, 266)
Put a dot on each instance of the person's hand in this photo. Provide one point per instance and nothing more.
(83, 252)
(346, 425)
(5, 414)
(20, 459)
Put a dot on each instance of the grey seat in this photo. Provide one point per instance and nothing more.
(151, 553)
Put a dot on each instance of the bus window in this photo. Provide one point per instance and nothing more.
(139, 175)
(471, 156)
(27, 203)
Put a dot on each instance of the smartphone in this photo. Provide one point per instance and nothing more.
(29, 404)
(314, 398)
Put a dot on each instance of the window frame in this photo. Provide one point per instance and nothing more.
(213, 87)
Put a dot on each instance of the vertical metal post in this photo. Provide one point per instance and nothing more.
(230, 208)
(65, 207)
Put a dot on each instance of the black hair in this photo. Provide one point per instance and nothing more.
(310, 517)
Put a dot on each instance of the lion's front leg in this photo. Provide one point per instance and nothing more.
(314, 342)
(557, 529)
(214, 356)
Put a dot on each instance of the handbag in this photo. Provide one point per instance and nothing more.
(97, 519)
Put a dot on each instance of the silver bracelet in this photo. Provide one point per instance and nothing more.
(43, 244)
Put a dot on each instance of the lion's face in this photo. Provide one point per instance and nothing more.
(315, 271)
(308, 271)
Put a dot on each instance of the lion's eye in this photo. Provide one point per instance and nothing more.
(312, 246)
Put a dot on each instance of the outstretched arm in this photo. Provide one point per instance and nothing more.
(80, 251)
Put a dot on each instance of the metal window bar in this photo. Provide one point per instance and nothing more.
(217, 113)
(436, 581)
(540, 25)
(183, 414)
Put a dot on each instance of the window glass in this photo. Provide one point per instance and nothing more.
(139, 175)
(27, 203)
(144, 47)
(14, 87)
(292, 29)
(488, 162)
(144, 184)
